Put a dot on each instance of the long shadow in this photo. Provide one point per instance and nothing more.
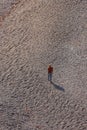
(58, 87)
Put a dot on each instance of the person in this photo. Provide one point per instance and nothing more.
(50, 72)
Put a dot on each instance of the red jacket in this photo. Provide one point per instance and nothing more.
(50, 69)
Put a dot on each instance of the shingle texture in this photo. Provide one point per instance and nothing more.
(35, 34)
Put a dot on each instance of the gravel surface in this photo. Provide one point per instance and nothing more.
(36, 33)
(5, 6)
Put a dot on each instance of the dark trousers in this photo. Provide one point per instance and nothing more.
(49, 76)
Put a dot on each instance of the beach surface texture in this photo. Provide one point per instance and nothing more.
(37, 33)
(5, 8)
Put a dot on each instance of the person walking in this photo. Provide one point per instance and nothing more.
(50, 72)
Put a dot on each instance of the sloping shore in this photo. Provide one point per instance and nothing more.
(35, 34)
(5, 8)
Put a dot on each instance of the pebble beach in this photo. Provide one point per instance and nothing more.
(34, 34)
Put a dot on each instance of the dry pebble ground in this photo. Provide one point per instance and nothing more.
(36, 33)
(5, 7)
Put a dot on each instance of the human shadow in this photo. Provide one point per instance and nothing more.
(58, 87)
